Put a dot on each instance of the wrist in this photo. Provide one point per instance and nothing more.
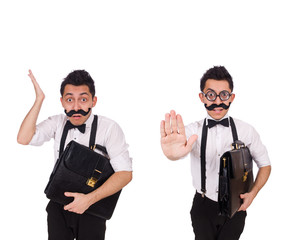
(40, 98)
(254, 192)
(93, 197)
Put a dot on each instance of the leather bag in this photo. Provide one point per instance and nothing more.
(235, 176)
(80, 169)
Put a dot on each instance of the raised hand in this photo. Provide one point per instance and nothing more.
(39, 93)
(173, 139)
(28, 126)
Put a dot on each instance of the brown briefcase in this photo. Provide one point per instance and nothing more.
(235, 178)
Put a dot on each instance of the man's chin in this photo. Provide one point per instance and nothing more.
(217, 114)
(77, 120)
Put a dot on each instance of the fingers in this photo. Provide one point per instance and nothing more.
(242, 208)
(70, 205)
(173, 121)
(30, 74)
(39, 93)
(167, 124)
(173, 124)
(162, 129)
(180, 125)
(70, 194)
(246, 202)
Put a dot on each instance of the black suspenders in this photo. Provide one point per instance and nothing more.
(92, 144)
(202, 156)
(203, 151)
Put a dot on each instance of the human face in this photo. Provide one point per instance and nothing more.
(77, 98)
(217, 86)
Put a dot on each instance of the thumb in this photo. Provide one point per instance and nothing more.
(191, 141)
(242, 196)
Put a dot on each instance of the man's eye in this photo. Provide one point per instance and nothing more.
(83, 99)
(211, 94)
(69, 100)
(224, 94)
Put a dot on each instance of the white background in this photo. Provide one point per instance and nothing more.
(146, 58)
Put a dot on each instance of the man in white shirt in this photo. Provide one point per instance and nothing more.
(177, 141)
(78, 98)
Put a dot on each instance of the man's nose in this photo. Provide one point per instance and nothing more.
(76, 106)
(218, 101)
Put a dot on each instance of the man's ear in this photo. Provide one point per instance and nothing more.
(61, 100)
(201, 97)
(233, 97)
(95, 99)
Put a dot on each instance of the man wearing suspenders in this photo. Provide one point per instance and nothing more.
(177, 141)
(78, 98)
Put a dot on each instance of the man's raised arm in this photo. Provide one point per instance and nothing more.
(28, 126)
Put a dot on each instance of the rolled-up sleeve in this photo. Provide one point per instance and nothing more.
(258, 150)
(118, 149)
(44, 131)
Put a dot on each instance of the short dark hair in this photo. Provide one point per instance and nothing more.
(78, 78)
(216, 73)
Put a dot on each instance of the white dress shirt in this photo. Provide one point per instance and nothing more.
(219, 140)
(109, 134)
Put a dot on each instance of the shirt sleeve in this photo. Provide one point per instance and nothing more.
(258, 150)
(118, 149)
(44, 131)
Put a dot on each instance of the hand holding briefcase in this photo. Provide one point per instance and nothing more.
(80, 169)
(235, 178)
(235, 175)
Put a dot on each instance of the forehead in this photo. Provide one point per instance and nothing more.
(217, 85)
(73, 90)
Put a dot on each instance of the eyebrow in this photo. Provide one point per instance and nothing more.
(209, 89)
(70, 94)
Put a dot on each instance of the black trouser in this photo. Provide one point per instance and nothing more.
(209, 225)
(65, 225)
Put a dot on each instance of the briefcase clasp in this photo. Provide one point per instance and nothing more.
(245, 176)
(92, 181)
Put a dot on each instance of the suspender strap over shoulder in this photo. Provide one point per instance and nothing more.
(234, 130)
(202, 156)
(62, 141)
(93, 137)
(93, 132)
(203, 151)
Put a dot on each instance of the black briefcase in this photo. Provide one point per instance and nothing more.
(80, 169)
(235, 178)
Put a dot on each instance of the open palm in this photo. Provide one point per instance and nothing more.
(173, 138)
(38, 91)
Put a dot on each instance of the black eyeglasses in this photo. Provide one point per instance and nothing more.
(212, 95)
